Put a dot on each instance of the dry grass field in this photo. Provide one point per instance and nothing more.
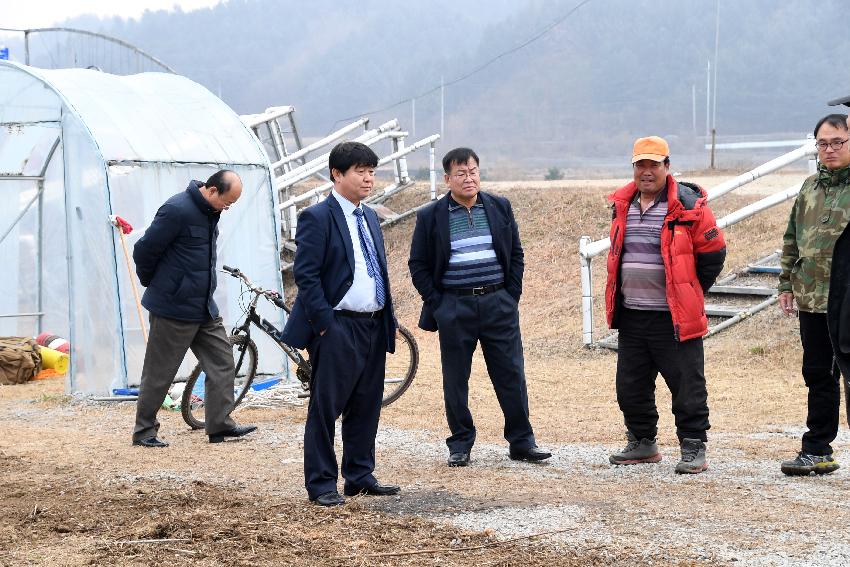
(76, 493)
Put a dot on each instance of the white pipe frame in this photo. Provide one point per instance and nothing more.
(290, 207)
(271, 113)
(313, 193)
(386, 130)
(588, 249)
(321, 143)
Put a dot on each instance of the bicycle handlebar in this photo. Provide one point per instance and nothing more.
(269, 294)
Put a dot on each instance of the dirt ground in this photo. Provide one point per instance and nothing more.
(74, 492)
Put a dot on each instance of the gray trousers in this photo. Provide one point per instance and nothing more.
(168, 341)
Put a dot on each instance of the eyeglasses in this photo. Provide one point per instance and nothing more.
(834, 144)
(464, 174)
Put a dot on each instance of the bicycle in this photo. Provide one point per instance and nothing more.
(400, 369)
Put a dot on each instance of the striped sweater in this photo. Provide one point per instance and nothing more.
(473, 261)
(644, 283)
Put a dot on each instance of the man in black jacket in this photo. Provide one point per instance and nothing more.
(175, 260)
(466, 262)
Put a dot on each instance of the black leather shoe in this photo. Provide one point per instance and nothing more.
(459, 459)
(237, 431)
(376, 489)
(150, 442)
(533, 455)
(329, 499)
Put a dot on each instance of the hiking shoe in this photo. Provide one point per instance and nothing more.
(693, 457)
(636, 451)
(806, 463)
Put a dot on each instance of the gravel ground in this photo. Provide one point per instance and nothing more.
(659, 515)
(742, 511)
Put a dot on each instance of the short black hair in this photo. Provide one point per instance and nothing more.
(220, 181)
(835, 120)
(346, 155)
(459, 156)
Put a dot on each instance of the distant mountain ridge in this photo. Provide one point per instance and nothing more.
(614, 70)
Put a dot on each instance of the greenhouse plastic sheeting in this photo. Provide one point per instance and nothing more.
(125, 144)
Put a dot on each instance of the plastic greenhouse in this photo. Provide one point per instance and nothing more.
(77, 146)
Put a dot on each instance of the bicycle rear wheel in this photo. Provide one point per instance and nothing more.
(401, 366)
(192, 401)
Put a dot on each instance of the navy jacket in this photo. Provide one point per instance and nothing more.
(838, 304)
(430, 250)
(175, 258)
(324, 270)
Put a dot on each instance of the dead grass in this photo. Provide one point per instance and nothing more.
(79, 520)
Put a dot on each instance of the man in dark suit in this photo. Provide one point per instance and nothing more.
(467, 262)
(343, 316)
(175, 260)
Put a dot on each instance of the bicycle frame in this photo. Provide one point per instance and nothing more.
(241, 334)
(303, 370)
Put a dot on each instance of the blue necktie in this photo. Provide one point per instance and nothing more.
(371, 257)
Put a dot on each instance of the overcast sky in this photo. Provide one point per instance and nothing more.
(24, 14)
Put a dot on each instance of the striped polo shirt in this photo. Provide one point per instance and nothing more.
(644, 285)
(472, 262)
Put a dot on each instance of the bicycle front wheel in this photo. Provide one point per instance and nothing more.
(401, 366)
(192, 402)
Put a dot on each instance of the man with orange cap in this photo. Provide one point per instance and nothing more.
(666, 251)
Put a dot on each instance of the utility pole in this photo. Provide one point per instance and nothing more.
(716, 49)
(708, 99)
(442, 109)
(694, 107)
(714, 96)
(413, 117)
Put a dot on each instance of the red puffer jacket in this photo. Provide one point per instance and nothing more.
(692, 248)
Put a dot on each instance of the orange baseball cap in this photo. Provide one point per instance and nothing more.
(653, 148)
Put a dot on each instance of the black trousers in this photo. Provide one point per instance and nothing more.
(821, 376)
(492, 320)
(348, 379)
(646, 347)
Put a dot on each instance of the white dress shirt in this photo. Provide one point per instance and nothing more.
(361, 295)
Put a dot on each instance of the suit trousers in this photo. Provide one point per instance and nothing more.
(348, 379)
(646, 346)
(493, 320)
(168, 341)
(821, 375)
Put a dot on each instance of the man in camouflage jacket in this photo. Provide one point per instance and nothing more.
(818, 217)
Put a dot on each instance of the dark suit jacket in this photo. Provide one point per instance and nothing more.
(324, 271)
(431, 248)
(838, 304)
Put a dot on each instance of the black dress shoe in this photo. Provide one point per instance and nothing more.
(376, 489)
(150, 442)
(533, 455)
(331, 498)
(237, 431)
(459, 459)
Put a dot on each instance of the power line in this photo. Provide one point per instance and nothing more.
(481, 67)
